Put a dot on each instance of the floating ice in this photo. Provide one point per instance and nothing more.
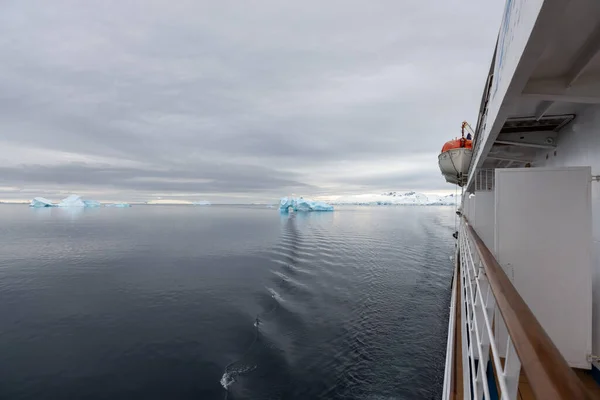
(71, 201)
(226, 380)
(231, 373)
(39, 202)
(91, 203)
(118, 205)
(201, 203)
(301, 204)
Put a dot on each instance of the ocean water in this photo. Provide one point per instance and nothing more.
(161, 302)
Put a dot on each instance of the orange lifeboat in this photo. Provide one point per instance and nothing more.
(455, 158)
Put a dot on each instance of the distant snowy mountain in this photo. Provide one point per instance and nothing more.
(395, 198)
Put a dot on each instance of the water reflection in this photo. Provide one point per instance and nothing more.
(61, 212)
(325, 216)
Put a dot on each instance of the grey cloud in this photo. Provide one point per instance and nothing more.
(230, 177)
(194, 88)
(397, 180)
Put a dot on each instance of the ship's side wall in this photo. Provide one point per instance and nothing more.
(483, 220)
(579, 145)
(518, 22)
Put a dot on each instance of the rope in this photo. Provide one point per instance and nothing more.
(455, 206)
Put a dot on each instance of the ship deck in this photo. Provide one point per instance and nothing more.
(524, 391)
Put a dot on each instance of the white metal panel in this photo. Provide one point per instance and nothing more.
(470, 209)
(543, 240)
(465, 205)
(579, 144)
(484, 217)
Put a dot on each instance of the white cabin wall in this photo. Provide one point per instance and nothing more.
(579, 145)
(483, 221)
(543, 242)
(469, 207)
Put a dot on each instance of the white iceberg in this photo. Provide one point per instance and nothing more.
(91, 203)
(71, 201)
(39, 202)
(118, 205)
(301, 204)
(201, 203)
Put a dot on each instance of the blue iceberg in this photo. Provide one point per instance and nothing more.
(118, 205)
(39, 202)
(301, 204)
(70, 201)
(201, 203)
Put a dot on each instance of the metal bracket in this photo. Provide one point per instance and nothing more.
(593, 358)
(549, 143)
(596, 178)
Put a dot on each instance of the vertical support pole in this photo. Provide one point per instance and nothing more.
(464, 320)
(512, 370)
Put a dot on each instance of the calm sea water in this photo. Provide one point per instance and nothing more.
(161, 302)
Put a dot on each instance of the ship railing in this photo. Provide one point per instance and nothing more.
(450, 370)
(488, 299)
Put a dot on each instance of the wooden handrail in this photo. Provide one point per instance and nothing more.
(548, 373)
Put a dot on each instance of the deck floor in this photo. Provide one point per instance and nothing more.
(458, 371)
(585, 376)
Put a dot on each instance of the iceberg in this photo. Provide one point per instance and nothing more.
(39, 202)
(118, 205)
(201, 203)
(301, 204)
(71, 201)
(91, 203)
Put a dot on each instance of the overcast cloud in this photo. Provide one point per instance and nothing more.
(235, 101)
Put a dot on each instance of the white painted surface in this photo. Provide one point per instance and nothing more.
(454, 163)
(517, 24)
(579, 145)
(448, 385)
(543, 242)
(484, 217)
(469, 207)
(529, 28)
(515, 30)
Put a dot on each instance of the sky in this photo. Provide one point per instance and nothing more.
(236, 101)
